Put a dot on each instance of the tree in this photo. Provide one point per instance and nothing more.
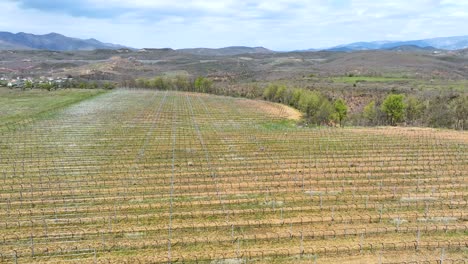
(280, 94)
(141, 83)
(108, 86)
(270, 92)
(316, 106)
(325, 111)
(341, 110)
(182, 83)
(203, 85)
(159, 83)
(370, 112)
(394, 107)
(460, 111)
(46, 86)
(309, 103)
(414, 109)
(287, 96)
(296, 95)
(439, 114)
(28, 84)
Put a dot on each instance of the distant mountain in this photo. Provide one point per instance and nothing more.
(227, 51)
(462, 53)
(52, 41)
(448, 43)
(361, 46)
(412, 48)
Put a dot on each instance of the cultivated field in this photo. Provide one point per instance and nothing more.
(17, 106)
(135, 176)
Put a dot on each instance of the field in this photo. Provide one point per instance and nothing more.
(17, 106)
(135, 176)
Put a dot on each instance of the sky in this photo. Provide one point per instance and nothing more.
(275, 24)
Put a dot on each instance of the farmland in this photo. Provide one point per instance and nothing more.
(17, 106)
(132, 176)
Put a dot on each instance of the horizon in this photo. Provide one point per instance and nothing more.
(234, 46)
(276, 25)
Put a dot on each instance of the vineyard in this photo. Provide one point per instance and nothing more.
(136, 176)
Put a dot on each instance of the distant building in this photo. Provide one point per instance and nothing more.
(13, 83)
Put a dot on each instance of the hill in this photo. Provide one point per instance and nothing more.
(227, 51)
(462, 53)
(447, 43)
(123, 63)
(51, 41)
(413, 48)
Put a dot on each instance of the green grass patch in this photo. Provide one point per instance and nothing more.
(285, 124)
(17, 105)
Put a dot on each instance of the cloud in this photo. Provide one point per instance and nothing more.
(277, 24)
(73, 8)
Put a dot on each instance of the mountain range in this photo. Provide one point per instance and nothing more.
(448, 43)
(52, 41)
(58, 42)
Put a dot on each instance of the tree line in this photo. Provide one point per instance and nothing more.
(318, 109)
(49, 86)
(176, 83)
(443, 110)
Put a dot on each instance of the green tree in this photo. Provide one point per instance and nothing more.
(181, 83)
(158, 83)
(316, 107)
(140, 83)
(287, 97)
(203, 85)
(414, 109)
(439, 114)
(394, 107)
(28, 85)
(108, 86)
(309, 103)
(81, 85)
(370, 112)
(296, 95)
(341, 110)
(46, 86)
(280, 94)
(460, 111)
(324, 112)
(270, 92)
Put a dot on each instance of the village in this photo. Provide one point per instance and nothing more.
(49, 83)
(53, 83)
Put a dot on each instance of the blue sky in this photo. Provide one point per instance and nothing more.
(275, 24)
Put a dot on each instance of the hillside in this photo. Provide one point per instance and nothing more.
(412, 48)
(227, 51)
(410, 63)
(407, 61)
